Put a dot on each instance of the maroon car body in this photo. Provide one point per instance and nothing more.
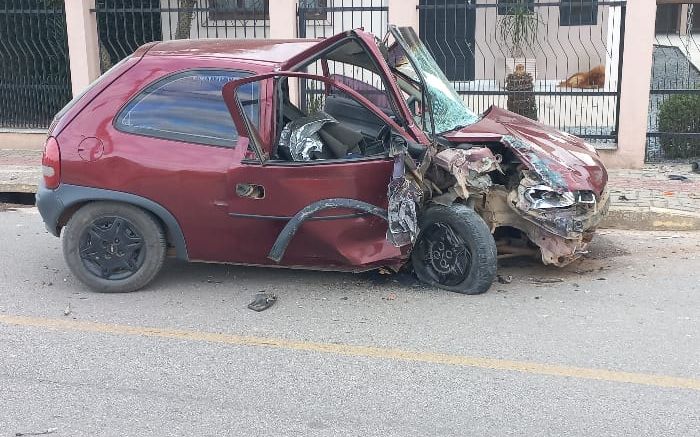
(195, 189)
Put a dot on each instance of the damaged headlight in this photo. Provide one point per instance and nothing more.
(544, 197)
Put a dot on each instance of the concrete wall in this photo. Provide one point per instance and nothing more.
(22, 139)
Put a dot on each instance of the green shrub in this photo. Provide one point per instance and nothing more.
(680, 113)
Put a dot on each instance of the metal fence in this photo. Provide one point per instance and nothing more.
(34, 72)
(674, 107)
(325, 18)
(124, 25)
(556, 61)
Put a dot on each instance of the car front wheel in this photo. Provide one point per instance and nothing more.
(113, 247)
(455, 250)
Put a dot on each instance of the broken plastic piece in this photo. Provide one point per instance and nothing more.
(469, 167)
(402, 214)
(262, 301)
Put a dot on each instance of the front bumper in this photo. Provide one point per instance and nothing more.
(563, 235)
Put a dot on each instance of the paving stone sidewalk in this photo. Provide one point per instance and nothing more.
(640, 199)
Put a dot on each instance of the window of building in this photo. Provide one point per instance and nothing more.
(259, 9)
(239, 9)
(507, 7)
(189, 107)
(578, 13)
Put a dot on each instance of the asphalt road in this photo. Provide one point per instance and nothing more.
(613, 349)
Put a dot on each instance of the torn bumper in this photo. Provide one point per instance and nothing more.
(563, 234)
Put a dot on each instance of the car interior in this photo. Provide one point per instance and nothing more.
(354, 132)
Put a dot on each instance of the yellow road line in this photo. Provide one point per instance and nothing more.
(360, 351)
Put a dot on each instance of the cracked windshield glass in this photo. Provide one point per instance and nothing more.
(453, 112)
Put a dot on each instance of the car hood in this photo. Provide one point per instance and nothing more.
(562, 160)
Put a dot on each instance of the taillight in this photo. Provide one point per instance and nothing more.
(51, 164)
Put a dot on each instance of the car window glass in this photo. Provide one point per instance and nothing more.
(189, 107)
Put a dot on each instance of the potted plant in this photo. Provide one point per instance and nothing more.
(517, 27)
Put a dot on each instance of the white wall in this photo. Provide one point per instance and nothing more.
(559, 51)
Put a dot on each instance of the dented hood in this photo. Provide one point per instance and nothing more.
(562, 160)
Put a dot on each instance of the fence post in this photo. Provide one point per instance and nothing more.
(283, 19)
(404, 13)
(83, 46)
(634, 87)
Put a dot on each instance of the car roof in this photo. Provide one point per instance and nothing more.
(268, 51)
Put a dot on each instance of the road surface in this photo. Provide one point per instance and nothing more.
(612, 349)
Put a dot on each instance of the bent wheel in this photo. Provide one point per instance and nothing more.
(455, 250)
(113, 247)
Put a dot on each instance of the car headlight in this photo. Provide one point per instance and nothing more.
(544, 197)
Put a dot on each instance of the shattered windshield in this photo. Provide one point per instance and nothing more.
(451, 111)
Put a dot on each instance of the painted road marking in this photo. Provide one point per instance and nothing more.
(360, 351)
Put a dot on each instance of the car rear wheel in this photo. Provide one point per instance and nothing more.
(455, 250)
(113, 247)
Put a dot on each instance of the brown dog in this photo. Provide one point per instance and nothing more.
(591, 79)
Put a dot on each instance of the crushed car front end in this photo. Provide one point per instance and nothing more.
(518, 174)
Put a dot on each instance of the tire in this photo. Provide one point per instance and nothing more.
(113, 247)
(455, 250)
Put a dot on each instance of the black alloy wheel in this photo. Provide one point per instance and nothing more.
(112, 248)
(455, 250)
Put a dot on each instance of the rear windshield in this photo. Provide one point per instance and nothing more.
(77, 98)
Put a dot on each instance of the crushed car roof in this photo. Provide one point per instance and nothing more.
(273, 51)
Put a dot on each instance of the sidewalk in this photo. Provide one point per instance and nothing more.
(641, 199)
(20, 170)
(649, 199)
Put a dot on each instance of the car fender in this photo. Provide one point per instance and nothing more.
(52, 205)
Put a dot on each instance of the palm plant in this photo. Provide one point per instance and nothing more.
(518, 27)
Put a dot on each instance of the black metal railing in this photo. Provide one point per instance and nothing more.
(124, 25)
(324, 18)
(34, 71)
(556, 61)
(674, 104)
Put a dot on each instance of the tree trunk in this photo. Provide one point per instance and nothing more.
(105, 59)
(185, 14)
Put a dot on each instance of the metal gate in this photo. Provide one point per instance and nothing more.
(34, 73)
(568, 43)
(124, 25)
(324, 18)
(674, 107)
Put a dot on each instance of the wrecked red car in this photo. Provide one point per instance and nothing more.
(347, 153)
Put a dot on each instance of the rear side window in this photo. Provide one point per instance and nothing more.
(189, 107)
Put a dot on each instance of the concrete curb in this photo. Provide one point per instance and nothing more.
(651, 219)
